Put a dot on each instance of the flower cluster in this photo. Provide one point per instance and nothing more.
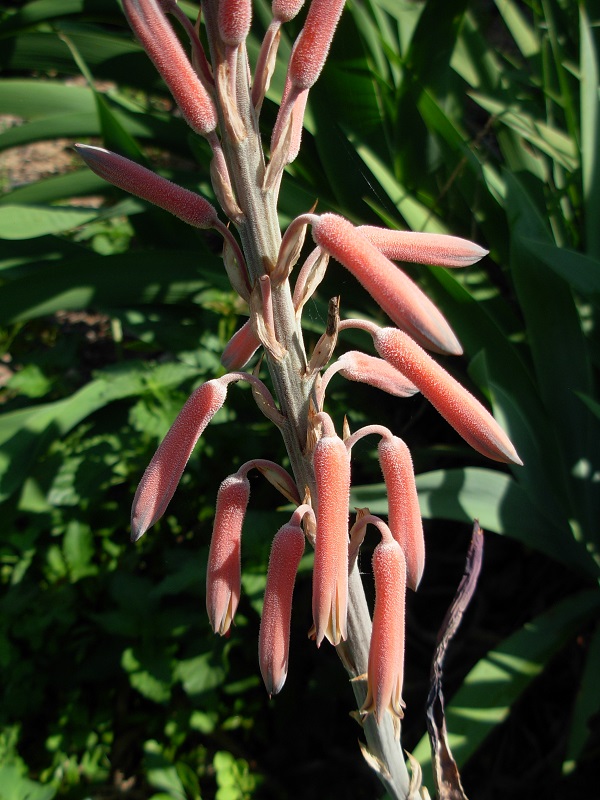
(220, 97)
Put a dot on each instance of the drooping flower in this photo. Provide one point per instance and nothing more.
(392, 289)
(331, 464)
(162, 475)
(274, 635)
(404, 515)
(385, 674)
(223, 573)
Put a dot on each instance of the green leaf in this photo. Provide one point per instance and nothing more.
(590, 131)
(29, 222)
(580, 271)
(15, 786)
(495, 683)
(25, 433)
(160, 772)
(492, 497)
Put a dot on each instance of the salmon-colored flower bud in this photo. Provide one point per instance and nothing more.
(162, 475)
(234, 20)
(223, 575)
(241, 347)
(144, 183)
(385, 673)
(360, 367)
(398, 296)
(424, 248)
(404, 516)
(458, 406)
(330, 573)
(158, 39)
(312, 45)
(274, 636)
(285, 10)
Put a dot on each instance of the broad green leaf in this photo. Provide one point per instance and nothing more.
(580, 271)
(25, 433)
(110, 281)
(58, 187)
(15, 786)
(161, 773)
(149, 673)
(590, 131)
(38, 99)
(547, 138)
(524, 34)
(492, 497)
(498, 680)
(29, 222)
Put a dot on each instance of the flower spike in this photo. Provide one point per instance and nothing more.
(330, 573)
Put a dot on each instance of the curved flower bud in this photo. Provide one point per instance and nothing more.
(223, 575)
(158, 39)
(458, 406)
(331, 463)
(285, 10)
(312, 45)
(404, 516)
(360, 367)
(144, 183)
(398, 296)
(162, 475)
(424, 248)
(274, 635)
(385, 673)
(241, 347)
(234, 20)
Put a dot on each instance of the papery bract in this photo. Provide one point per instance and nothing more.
(223, 573)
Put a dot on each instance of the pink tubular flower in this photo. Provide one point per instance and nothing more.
(404, 516)
(360, 367)
(144, 183)
(274, 636)
(385, 673)
(458, 406)
(398, 296)
(331, 463)
(234, 19)
(223, 576)
(241, 347)
(424, 248)
(312, 45)
(158, 39)
(162, 475)
(285, 10)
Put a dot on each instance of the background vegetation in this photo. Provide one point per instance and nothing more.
(470, 117)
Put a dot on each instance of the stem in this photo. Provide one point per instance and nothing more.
(293, 387)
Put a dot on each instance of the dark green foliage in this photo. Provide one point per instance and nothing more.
(473, 118)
